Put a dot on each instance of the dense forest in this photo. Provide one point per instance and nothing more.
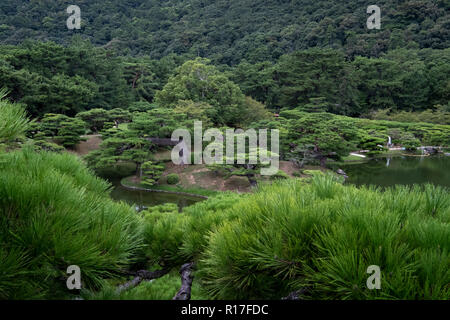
(138, 70)
(48, 77)
(230, 31)
(284, 54)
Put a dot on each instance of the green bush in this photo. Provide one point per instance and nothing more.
(43, 145)
(54, 213)
(13, 121)
(173, 178)
(174, 238)
(318, 237)
(409, 142)
(280, 175)
(321, 237)
(163, 236)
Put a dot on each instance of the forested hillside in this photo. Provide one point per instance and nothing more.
(102, 102)
(313, 55)
(51, 78)
(229, 31)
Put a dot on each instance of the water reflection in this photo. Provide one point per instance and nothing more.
(141, 200)
(387, 172)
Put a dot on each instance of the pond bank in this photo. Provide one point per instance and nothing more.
(141, 198)
(131, 187)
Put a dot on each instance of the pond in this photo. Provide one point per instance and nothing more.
(144, 199)
(406, 170)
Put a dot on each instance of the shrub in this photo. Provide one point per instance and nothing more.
(291, 236)
(54, 213)
(13, 121)
(280, 175)
(163, 235)
(152, 173)
(409, 142)
(173, 178)
(43, 145)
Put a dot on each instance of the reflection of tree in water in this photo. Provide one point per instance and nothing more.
(182, 203)
(141, 200)
(401, 170)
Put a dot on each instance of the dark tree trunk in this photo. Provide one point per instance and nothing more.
(186, 282)
(140, 276)
(323, 162)
(251, 178)
(139, 170)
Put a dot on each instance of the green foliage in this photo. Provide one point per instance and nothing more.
(316, 80)
(320, 135)
(318, 237)
(172, 238)
(329, 62)
(374, 145)
(152, 172)
(95, 119)
(200, 82)
(13, 120)
(157, 123)
(245, 163)
(123, 146)
(50, 78)
(409, 142)
(163, 234)
(315, 137)
(43, 145)
(322, 237)
(99, 119)
(437, 116)
(229, 33)
(172, 178)
(54, 213)
(315, 105)
(314, 235)
(163, 208)
(279, 175)
(60, 128)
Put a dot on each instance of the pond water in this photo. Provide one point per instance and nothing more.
(406, 170)
(384, 172)
(144, 199)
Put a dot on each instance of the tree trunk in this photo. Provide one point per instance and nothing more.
(140, 276)
(323, 162)
(138, 170)
(186, 282)
(251, 178)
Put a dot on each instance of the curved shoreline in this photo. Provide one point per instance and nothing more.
(162, 191)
